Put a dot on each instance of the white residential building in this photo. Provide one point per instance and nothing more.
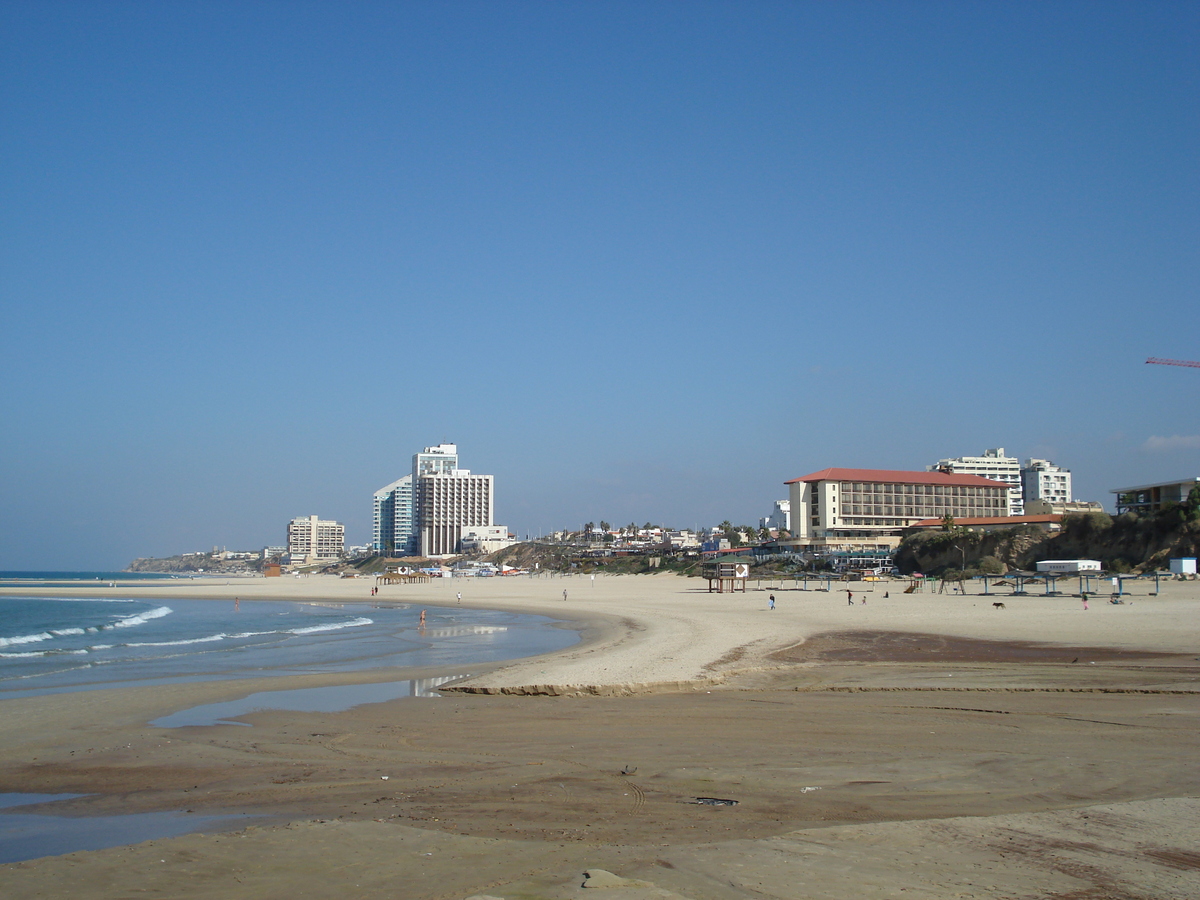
(394, 532)
(780, 517)
(311, 539)
(1042, 480)
(993, 465)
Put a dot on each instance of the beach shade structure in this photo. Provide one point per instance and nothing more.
(1021, 577)
(1158, 575)
(988, 583)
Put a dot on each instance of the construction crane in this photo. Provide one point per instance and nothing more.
(1174, 362)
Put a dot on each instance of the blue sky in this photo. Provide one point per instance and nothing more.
(639, 260)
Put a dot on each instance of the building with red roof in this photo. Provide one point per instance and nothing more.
(856, 508)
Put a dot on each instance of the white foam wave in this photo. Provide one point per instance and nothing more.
(337, 626)
(64, 632)
(32, 653)
(142, 618)
(26, 639)
(200, 640)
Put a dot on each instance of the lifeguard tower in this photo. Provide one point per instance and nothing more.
(726, 575)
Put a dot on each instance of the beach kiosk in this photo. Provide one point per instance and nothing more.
(726, 575)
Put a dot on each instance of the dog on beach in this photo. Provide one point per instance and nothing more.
(998, 605)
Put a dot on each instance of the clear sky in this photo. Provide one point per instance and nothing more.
(641, 261)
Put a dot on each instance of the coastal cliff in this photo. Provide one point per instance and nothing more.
(1128, 543)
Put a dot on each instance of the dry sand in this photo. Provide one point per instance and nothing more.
(920, 746)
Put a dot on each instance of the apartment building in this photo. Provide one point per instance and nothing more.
(1042, 480)
(855, 508)
(993, 465)
(312, 539)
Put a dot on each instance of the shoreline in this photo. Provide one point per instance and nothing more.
(1037, 747)
(666, 632)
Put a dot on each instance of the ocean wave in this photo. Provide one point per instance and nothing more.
(123, 622)
(141, 618)
(200, 640)
(337, 626)
(26, 639)
(29, 654)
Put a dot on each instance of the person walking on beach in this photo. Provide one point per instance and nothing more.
(1085, 606)
(771, 604)
(849, 596)
(564, 595)
(460, 596)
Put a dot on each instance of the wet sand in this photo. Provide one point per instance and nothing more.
(922, 746)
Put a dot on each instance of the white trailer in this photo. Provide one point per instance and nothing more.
(1068, 566)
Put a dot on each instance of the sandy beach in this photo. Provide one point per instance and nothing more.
(920, 745)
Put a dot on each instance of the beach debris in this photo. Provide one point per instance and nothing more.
(716, 801)
(629, 770)
(805, 790)
(384, 777)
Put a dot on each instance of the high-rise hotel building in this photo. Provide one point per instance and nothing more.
(428, 512)
(851, 508)
(449, 504)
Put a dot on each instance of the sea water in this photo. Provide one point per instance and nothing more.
(56, 644)
(53, 644)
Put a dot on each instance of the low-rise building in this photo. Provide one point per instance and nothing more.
(485, 539)
(848, 509)
(1068, 566)
(1148, 498)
